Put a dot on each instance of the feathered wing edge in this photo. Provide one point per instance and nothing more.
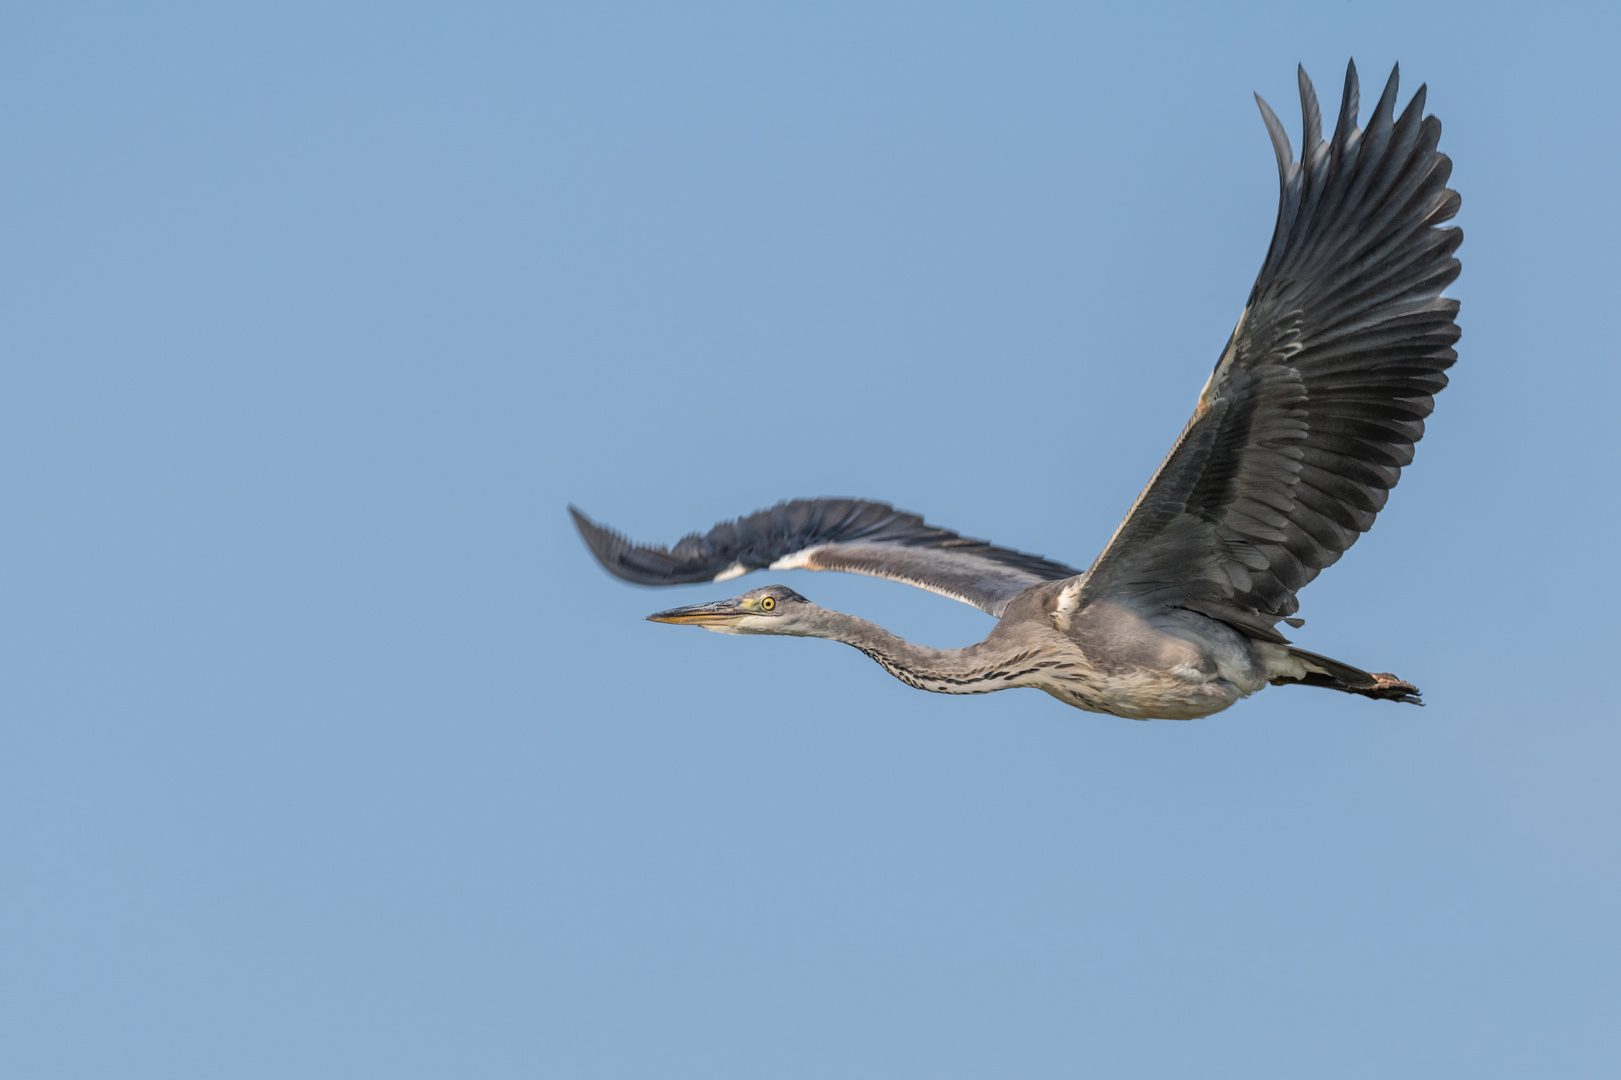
(1315, 404)
(852, 535)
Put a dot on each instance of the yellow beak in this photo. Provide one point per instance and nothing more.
(720, 613)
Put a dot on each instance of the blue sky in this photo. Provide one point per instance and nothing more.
(326, 750)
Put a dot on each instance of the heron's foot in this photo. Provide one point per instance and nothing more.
(1386, 687)
(1380, 685)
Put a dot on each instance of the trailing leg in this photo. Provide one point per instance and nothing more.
(1333, 675)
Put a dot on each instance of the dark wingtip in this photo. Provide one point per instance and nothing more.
(587, 528)
(601, 541)
(641, 564)
(1385, 111)
(1311, 116)
(1280, 138)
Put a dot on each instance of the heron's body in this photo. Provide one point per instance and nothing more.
(1296, 439)
(1108, 658)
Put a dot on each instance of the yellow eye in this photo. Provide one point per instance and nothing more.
(767, 603)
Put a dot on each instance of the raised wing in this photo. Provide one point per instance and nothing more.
(831, 534)
(1320, 394)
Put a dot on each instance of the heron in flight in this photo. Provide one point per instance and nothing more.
(1298, 436)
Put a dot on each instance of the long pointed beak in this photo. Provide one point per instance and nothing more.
(720, 613)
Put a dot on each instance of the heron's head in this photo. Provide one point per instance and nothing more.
(775, 609)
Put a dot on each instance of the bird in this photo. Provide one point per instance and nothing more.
(1296, 440)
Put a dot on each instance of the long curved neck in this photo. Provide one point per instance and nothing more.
(944, 671)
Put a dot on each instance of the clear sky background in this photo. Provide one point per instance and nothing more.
(326, 751)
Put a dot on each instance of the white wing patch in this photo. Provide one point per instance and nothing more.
(1069, 600)
(1218, 375)
(959, 576)
(799, 560)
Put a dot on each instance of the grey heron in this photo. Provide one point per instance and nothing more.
(1297, 438)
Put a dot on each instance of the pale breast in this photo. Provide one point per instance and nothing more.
(1175, 665)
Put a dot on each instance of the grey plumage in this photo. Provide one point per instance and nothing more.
(854, 535)
(1322, 390)
(1302, 430)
